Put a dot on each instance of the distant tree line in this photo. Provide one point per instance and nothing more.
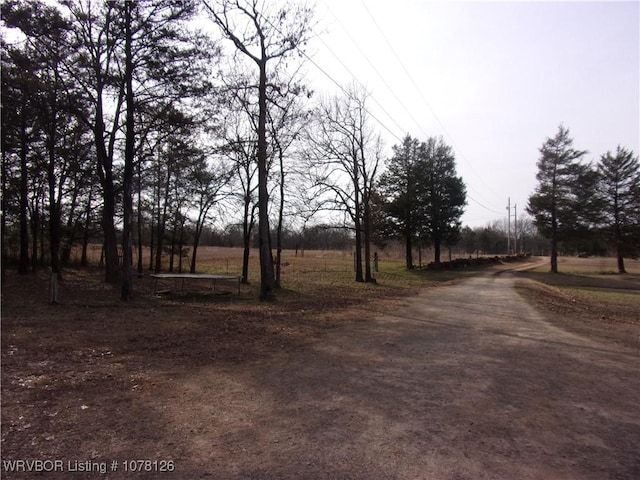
(493, 239)
(316, 237)
(585, 207)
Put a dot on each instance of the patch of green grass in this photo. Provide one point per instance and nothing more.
(604, 297)
(324, 276)
(590, 297)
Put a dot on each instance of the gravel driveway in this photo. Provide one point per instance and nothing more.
(462, 382)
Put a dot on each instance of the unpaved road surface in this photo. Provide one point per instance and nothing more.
(466, 381)
(463, 382)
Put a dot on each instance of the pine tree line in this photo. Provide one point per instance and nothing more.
(584, 207)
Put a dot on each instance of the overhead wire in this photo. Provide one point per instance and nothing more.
(341, 87)
(382, 124)
(364, 55)
(482, 205)
(374, 117)
(375, 69)
(361, 85)
(426, 102)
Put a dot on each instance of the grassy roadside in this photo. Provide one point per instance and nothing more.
(587, 297)
(325, 280)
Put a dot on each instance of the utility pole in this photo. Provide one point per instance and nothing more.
(515, 229)
(508, 225)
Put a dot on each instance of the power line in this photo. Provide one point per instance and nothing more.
(372, 65)
(406, 71)
(375, 69)
(482, 205)
(359, 83)
(382, 124)
(400, 102)
(347, 93)
(324, 72)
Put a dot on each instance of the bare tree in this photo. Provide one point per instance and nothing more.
(345, 160)
(287, 124)
(128, 57)
(206, 184)
(173, 152)
(264, 36)
(127, 180)
(97, 39)
(240, 148)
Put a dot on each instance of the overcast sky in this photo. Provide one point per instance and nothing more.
(495, 79)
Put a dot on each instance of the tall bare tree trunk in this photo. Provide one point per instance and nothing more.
(194, 250)
(280, 215)
(162, 219)
(23, 266)
(618, 235)
(366, 223)
(54, 210)
(139, 226)
(437, 244)
(3, 218)
(105, 173)
(85, 234)
(408, 246)
(357, 219)
(247, 229)
(127, 183)
(264, 236)
(554, 241)
(35, 233)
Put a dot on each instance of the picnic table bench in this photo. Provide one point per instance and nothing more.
(198, 276)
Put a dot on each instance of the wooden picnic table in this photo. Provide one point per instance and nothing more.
(199, 276)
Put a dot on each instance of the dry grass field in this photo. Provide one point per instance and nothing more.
(593, 266)
(312, 275)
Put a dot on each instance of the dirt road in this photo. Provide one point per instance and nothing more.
(463, 382)
(466, 381)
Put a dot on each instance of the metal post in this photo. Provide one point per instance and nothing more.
(515, 229)
(509, 226)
